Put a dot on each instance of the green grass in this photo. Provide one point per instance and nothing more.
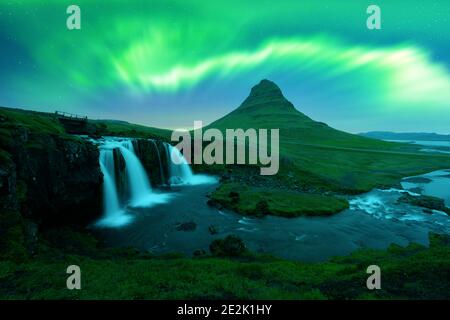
(126, 129)
(47, 123)
(259, 201)
(414, 272)
(32, 129)
(36, 122)
(324, 158)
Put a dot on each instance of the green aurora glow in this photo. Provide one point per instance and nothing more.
(147, 61)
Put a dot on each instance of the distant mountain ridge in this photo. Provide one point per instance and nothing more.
(420, 136)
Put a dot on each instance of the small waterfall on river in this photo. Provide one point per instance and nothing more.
(137, 177)
(179, 170)
(113, 214)
(111, 202)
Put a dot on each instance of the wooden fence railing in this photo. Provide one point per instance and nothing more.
(67, 115)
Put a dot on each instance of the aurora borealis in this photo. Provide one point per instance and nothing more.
(166, 63)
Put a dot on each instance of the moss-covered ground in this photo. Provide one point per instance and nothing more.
(414, 272)
(261, 201)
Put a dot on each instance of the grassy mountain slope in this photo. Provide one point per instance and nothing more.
(320, 156)
(45, 122)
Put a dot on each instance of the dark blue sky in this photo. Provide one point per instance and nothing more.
(168, 63)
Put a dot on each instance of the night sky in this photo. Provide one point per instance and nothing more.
(166, 63)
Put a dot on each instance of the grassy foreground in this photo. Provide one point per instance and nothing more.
(414, 272)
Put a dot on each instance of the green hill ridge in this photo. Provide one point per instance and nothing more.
(320, 156)
(266, 107)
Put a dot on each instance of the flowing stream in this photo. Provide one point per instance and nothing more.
(179, 220)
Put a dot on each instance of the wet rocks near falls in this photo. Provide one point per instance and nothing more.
(186, 226)
(428, 202)
(154, 157)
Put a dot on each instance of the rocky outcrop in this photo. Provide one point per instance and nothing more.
(51, 179)
(427, 202)
(154, 157)
(266, 94)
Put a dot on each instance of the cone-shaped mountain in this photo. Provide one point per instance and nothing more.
(266, 107)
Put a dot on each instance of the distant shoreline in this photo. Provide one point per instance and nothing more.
(406, 136)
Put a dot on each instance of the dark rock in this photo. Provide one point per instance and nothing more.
(8, 181)
(417, 180)
(213, 229)
(231, 246)
(416, 190)
(265, 93)
(186, 226)
(154, 157)
(234, 196)
(199, 253)
(54, 178)
(214, 204)
(427, 202)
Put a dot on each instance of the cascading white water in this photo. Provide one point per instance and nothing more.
(111, 201)
(137, 177)
(139, 188)
(179, 170)
(113, 214)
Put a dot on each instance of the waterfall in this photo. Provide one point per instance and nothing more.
(113, 214)
(111, 201)
(180, 172)
(139, 184)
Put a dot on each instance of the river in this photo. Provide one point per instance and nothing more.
(374, 220)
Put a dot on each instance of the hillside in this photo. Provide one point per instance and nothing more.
(266, 107)
(47, 123)
(320, 157)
